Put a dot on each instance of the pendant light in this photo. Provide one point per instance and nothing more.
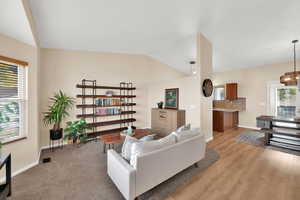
(291, 78)
(193, 67)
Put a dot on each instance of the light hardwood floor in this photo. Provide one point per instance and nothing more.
(244, 172)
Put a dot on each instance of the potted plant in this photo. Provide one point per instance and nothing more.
(60, 105)
(76, 131)
(160, 104)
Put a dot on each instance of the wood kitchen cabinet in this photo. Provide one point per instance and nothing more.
(228, 91)
(224, 119)
(231, 91)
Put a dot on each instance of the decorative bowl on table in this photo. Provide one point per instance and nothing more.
(125, 132)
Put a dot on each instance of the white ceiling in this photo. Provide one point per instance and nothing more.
(243, 33)
(13, 21)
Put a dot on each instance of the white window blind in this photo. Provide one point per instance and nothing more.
(12, 100)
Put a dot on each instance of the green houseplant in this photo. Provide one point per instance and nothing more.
(60, 105)
(160, 104)
(76, 131)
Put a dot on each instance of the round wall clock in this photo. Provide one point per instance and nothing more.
(207, 87)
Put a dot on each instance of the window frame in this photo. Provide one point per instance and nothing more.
(273, 97)
(23, 106)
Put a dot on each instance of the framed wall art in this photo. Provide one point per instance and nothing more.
(172, 98)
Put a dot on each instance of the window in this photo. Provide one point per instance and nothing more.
(12, 101)
(284, 100)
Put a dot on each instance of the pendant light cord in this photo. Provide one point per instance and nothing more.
(294, 57)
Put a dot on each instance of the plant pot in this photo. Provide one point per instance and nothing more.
(160, 105)
(70, 141)
(75, 139)
(56, 134)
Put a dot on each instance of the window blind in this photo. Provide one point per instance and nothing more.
(12, 93)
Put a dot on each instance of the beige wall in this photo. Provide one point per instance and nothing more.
(198, 108)
(189, 99)
(24, 152)
(63, 69)
(252, 84)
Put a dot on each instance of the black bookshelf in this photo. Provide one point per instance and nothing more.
(90, 95)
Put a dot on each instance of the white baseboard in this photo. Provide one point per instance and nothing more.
(23, 169)
(55, 145)
(209, 139)
(248, 127)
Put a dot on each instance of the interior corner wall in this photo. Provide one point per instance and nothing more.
(204, 62)
(24, 152)
(63, 69)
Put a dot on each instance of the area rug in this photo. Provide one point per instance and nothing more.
(79, 173)
(256, 138)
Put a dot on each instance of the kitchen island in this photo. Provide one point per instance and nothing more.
(280, 131)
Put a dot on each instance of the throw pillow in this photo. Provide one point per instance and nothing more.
(183, 135)
(126, 148)
(149, 146)
(184, 128)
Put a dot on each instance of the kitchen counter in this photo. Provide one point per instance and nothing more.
(224, 110)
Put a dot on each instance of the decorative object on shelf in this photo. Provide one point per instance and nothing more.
(109, 93)
(94, 107)
(172, 98)
(193, 67)
(207, 87)
(58, 110)
(291, 78)
(160, 104)
(76, 131)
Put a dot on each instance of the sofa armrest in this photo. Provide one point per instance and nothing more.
(122, 174)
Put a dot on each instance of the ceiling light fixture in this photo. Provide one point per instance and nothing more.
(291, 78)
(193, 67)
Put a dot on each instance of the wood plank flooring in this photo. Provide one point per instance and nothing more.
(244, 172)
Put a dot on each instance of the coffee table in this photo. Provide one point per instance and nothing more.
(114, 138)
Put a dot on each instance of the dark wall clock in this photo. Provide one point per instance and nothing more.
(207, 87)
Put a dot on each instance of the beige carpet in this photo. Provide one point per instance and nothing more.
(80, 174)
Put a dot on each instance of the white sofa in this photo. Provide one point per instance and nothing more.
(155, 167)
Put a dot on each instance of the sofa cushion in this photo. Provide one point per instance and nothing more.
(149, 146)
(126, 148)
(183, 135)
(184, 128)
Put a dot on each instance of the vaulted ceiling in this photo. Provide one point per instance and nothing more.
(243, 33)
(14, 22)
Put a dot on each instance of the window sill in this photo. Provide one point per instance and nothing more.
(12, 140)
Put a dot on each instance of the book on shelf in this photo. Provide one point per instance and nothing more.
(107, 102)
(108, 111)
